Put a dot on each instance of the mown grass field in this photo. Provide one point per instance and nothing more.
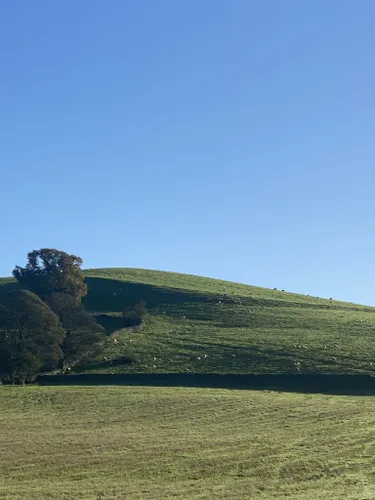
(93, 443)
(202, 325)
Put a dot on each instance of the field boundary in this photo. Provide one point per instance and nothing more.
(308, 383)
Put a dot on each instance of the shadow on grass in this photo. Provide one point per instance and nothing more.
(113, 296)
(303, 383)
(9, 287)
(110, 323)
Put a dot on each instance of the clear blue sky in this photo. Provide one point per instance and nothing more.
(232, 139)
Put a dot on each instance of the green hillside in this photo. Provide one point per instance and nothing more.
(202, 325)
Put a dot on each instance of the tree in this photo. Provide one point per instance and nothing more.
(49, 271)
(57, 278)
(83, 336)
(30, 337)
(133, 315)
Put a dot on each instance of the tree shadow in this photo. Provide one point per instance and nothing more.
(298, 383)
(9, 287)
(110, 324)
(108, 295)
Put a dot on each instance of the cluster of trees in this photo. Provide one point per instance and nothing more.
(44, 326)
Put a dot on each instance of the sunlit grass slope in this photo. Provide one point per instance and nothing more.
(202, 325)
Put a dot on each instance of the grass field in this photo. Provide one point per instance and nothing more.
(202, 325)
(144, 443)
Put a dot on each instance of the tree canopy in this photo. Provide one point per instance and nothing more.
(46, 327)
(50, 271)
(30, 337)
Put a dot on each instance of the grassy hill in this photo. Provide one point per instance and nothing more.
(202, 325)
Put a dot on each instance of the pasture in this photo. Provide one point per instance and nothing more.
(92, 443)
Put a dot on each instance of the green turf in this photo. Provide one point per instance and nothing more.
(204, 325)
(144, 443)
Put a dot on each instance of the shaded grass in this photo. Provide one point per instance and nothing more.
(305, 383)
(8, 285)
(147, 443)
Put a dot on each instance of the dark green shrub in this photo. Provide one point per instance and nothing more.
(134, 315)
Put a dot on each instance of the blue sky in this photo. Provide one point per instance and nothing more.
(232, 139)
